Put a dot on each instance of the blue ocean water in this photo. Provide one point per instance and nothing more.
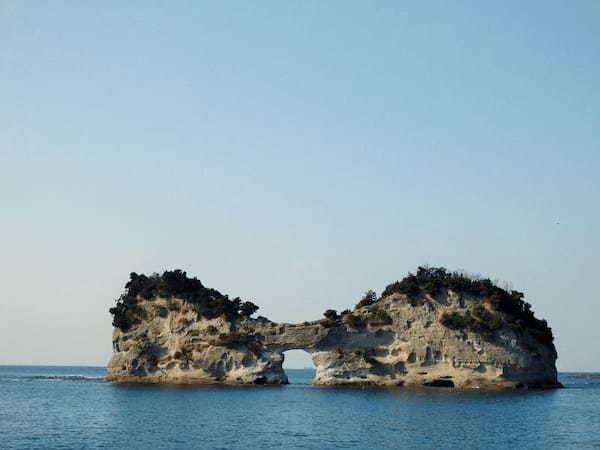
(73, 408)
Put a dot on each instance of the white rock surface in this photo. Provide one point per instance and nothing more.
(415, 349)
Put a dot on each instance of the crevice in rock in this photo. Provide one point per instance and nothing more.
(439, 383)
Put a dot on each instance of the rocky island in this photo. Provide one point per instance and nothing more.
(432, 328)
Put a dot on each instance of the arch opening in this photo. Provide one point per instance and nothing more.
(298, 366)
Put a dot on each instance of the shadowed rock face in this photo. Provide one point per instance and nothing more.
(393, 342)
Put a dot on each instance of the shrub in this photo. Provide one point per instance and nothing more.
(353, 321)
(206, 302)
(234, 339)
(379, 317)
(408, 286)
(331, 314)
(119, 313)
(416, 301)
(328, 322)
(246, 309)
(486, 317)
(454, 321)
(480, 321)
(433, 280)
(368, 299)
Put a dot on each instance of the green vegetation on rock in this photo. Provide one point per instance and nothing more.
(480, 320)
(379, 317)
(368, 299)
(497, 305)
(434, 281)
(207, 302)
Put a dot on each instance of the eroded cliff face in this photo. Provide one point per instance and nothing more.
(393, 342)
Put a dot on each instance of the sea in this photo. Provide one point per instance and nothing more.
(44, 407)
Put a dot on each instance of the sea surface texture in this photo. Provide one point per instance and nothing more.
(73, 408)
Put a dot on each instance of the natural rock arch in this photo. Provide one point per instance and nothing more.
(412, 336)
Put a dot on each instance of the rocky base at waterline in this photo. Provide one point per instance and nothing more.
(433, 328)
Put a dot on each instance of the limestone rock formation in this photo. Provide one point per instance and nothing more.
(434, 328)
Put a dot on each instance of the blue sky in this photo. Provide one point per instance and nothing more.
(296, 154)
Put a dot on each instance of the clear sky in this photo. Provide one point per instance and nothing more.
(295, 154)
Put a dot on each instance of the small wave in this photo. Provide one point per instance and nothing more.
(50, 378)
(64, 377)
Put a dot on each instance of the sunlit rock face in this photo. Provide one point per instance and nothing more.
(448, 339)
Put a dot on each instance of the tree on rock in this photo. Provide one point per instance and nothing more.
(248, 308)
(368, 299)
(330, 314)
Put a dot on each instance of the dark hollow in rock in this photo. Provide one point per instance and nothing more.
(439, 383)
